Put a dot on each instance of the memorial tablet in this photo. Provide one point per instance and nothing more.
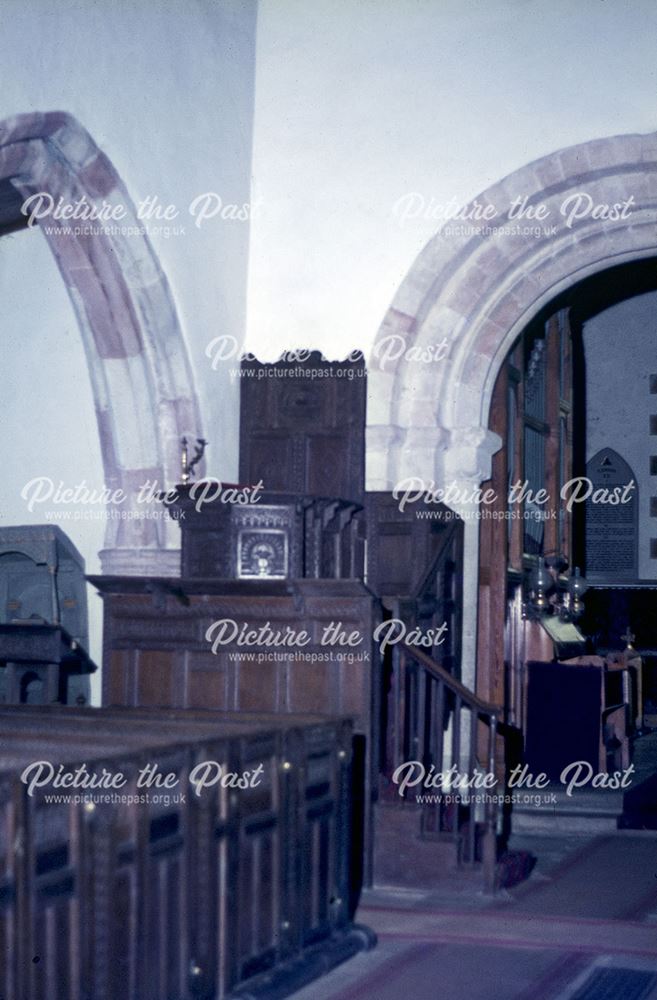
(611, 519)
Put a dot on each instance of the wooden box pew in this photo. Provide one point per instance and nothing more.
(136, 863)
(166, 720)
(172, 898)
(157, 654)
(327, 905)
(9, 922)
(96, 882)
(42, 859)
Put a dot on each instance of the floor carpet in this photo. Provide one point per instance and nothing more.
(612, 877)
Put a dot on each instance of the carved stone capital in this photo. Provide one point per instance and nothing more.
(469, 454)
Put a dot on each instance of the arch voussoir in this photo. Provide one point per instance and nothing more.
(473, 293)
(138, 361)
(478, 292)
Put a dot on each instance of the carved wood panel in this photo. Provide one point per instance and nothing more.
(304, 429)
(172, 898)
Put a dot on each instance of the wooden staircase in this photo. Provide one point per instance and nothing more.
(437, 724)
(404, 858)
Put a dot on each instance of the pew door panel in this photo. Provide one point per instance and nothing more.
(318, 848)
(156, 893)
(254, 814)
(112, 834)
(9, 860)
(164, 839)
(55, 873)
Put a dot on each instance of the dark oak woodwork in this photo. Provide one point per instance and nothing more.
(156, 653)
(40, 664)
(504, 557)
(171, 898)
(43, 617)
(496, 539)
(282, 535)
(302, 425)
(402, 546)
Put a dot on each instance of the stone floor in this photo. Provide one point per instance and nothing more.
(583, 926)
(588, 912)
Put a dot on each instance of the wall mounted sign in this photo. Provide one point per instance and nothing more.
(612, 528)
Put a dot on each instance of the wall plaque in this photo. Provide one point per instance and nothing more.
(612, 528)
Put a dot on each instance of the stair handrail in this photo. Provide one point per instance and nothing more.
(423, 704)
(466, 695)
(438, 557)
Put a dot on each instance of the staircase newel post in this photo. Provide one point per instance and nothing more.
(489, 846)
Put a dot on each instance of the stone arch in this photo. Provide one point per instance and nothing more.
(473, 294)
(141, 378)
